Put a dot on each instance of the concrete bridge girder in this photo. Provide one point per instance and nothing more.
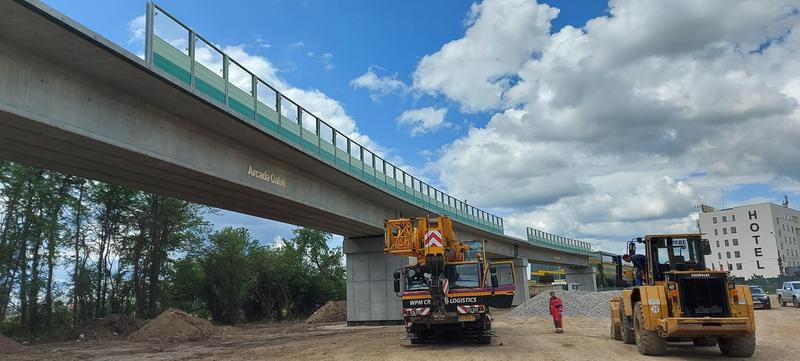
(74, 102)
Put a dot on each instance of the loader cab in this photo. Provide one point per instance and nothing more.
(676, 252)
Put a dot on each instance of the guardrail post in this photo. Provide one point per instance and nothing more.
(299, 117)
(254, 93)
(349, 157)
(225, 64)
(278, 98)
(192, 43)
(319, 135)
(149, 32)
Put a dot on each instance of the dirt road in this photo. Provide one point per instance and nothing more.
(586, 339)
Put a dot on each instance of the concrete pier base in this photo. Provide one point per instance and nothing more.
(583, 275)
(522, 275)
(370, 292)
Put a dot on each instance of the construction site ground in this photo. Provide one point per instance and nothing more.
(585, 339)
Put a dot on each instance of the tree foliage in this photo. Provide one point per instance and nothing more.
(73, 249)
(115, 247)
(247, 281)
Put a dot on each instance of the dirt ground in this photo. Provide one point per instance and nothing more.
(585, 339)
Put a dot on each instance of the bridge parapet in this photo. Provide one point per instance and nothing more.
(549, 240)
(187, 59)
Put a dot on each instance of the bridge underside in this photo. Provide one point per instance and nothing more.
(74, 102)
(70, 106)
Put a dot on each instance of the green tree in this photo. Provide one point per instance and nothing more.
(188, 281)
(328, 270)
(227, 273)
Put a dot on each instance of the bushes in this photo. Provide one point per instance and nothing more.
(240, 279)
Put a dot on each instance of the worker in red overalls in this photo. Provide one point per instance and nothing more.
(556, 308)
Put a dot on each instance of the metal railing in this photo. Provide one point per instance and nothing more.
(549, 240)
(247, 96)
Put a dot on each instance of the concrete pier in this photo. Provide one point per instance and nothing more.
(370, 290)
(522, 275)
(583, 275)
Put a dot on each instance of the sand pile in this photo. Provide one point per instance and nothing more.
(576, 303)
(114, 327)
(8, 345)
(333, 311)
(173, 326)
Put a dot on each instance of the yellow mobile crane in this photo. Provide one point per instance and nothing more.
(682, 300)
(450, 288)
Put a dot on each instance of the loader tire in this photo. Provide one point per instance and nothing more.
(625, 327)
(616, 332)
(647, 342)
(742, 346)
(704, 341)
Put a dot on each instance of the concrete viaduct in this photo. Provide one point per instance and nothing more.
(75, 102)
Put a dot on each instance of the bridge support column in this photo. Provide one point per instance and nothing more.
(370, 291)
(521, 294)
(584, 275)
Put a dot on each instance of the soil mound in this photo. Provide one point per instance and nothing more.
(333, 311)
(114, 327)
(8, 345)
(173, 326)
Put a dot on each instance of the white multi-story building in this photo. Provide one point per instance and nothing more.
(748, 240)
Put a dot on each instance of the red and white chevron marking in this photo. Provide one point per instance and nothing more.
(433, 238)
(445, 286)
(418, 311)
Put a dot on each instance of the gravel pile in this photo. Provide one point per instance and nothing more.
(576, 303)
(333, 311)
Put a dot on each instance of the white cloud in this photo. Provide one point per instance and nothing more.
(378, 86)
(424, 120)
(477, 69)
(137, 27)
(262, 43)
(619, 128)
(327, 61)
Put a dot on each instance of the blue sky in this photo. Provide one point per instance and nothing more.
(355, 33)
(327, 45)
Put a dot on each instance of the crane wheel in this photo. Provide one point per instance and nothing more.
(625, 327)
(485, 339)
(742, 346)
(647, 342)
(419, 337)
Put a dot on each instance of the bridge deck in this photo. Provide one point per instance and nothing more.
(86, 58)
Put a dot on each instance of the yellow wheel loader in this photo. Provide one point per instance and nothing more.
(677, 299)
